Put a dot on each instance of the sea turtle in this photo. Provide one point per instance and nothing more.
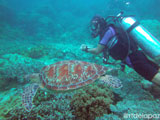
(66, 75)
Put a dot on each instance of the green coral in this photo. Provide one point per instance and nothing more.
(9, 100)
(91, 102)
(36, 52)
(41, 96)
(42, 52)
(46, 106)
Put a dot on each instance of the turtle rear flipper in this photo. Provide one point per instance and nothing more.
(28, 95)
(111, 81)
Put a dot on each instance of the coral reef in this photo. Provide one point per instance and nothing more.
(134, 99)
(9, 100)
(91, 102)
(109, 117)
(8, 83)
(47, 106)
(44, 52)
(14, 66)
(42, 96)
(35, 52)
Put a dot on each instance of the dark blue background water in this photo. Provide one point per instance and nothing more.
(53, 18)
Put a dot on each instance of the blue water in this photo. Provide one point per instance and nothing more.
(35, 33)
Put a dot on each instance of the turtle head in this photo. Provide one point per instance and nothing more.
(34, 78)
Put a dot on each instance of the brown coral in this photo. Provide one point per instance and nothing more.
(91, 102)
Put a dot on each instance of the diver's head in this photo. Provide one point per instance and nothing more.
(97, 25)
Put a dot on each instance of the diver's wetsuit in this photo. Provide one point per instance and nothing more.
(137, 60)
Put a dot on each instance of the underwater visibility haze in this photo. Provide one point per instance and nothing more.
(48, 73)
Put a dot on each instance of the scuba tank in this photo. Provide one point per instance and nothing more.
(145, 40)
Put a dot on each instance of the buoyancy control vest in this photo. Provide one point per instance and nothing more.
(120, 45)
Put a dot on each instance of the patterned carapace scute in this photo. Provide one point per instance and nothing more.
(67, 75)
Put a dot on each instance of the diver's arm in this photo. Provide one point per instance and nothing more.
(95, 51)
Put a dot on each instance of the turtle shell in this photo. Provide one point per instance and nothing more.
(66, 75)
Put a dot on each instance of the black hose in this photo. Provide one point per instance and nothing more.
(129, 41)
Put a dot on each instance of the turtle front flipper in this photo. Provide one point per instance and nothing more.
(28, 95)
(111, 81)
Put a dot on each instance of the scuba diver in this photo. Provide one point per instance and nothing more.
(124, 39)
